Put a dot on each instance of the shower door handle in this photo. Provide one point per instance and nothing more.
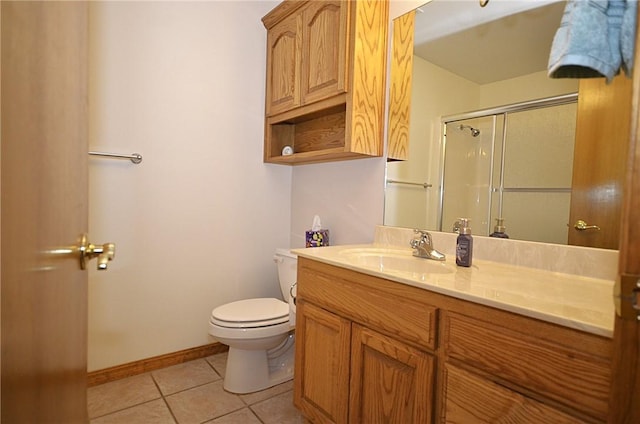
(580, 225)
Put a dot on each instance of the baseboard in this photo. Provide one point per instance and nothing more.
(150, 364)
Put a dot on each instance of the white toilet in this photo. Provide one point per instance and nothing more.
(259, 333)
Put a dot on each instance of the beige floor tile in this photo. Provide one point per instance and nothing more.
(203, 403)
(155, 412)
(184, 376)
(243, 416)
(256, 397)
(278, 410)
(120, 394)
(218, 362)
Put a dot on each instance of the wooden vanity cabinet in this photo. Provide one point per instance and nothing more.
(326, 73)
(363, 354)
(373, 350)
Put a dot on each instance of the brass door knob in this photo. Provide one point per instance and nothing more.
(84, 251)
(583, 226)
(105, 253)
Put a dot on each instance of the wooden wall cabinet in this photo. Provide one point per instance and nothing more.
(373, 350)
(326, 73)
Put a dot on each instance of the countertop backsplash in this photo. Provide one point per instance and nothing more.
(577, 260)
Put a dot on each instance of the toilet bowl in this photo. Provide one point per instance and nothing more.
(259, 333)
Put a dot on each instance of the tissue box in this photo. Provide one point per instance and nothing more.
(317, 238)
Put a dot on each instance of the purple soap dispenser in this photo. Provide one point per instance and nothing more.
(464, 243)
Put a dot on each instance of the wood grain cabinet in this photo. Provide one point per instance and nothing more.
(341, 368)
(371, 350)
(473, 399)
(326, 73)
(391, 382)
(362, 355)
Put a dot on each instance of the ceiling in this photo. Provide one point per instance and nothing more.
(505, 39)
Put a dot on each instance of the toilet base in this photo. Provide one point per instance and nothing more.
(254, 370)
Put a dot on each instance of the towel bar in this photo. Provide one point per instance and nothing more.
(133, 157)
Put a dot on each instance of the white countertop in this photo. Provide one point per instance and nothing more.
(579, 302)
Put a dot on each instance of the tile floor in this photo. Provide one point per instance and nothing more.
(189, 393)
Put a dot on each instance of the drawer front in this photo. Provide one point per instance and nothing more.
(557, 372)
(469, 398)
(385, 308)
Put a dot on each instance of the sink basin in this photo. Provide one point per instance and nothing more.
(395, 261)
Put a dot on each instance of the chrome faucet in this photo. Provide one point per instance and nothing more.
(423, 246)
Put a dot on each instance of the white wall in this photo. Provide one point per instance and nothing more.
(348, 196)
(197, 222)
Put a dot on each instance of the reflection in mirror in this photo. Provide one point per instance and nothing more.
(486, 76)
(513, 163)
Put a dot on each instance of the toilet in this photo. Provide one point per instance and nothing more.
(259, 333)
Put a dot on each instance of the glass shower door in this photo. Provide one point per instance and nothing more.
(468, 164)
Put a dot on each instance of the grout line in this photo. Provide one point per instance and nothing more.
(164, 397)
(115, 411)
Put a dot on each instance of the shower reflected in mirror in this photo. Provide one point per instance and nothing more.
(491, 169)
(474, 131)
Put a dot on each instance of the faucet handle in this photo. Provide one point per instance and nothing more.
(424, 235)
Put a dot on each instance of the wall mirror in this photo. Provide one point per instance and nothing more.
(490, 135)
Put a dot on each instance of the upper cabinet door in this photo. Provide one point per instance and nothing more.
(324, 50)
(283, 64)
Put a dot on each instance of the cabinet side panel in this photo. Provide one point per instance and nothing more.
(400, 91)
(368, 83)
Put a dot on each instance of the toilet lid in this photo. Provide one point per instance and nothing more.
(251, 313)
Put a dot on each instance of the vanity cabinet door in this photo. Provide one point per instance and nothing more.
(565, 374)
(324, 50)
(321, 386)
(283, 65)
(471, 399)
(390, 382)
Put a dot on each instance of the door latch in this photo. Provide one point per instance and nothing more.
(627, 296)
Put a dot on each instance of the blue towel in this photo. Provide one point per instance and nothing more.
(628, 36)
(596, 38)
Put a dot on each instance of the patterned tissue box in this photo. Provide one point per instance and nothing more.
(317, 238)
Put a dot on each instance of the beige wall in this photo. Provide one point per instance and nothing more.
(435, 92)
(528, 87)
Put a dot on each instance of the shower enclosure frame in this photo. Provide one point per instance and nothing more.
(494, 112)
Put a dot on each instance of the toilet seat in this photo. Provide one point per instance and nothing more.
(251, 313)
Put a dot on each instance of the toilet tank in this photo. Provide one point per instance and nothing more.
(287, 270)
